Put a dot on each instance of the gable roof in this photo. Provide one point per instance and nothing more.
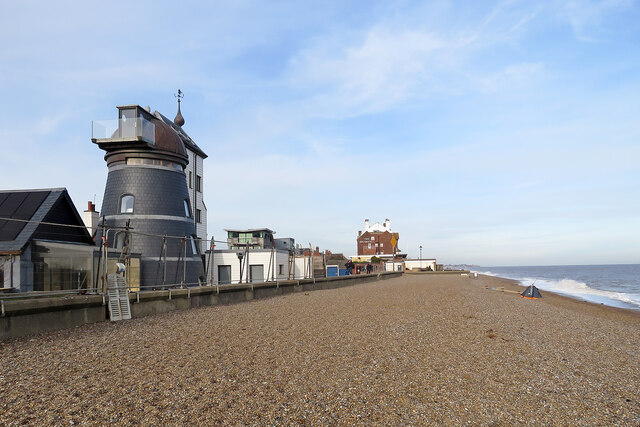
(33, 207)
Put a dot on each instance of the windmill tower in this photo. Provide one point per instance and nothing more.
(146, 190)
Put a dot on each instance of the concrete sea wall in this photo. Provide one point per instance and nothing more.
(33, 316)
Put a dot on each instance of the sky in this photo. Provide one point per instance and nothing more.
(490, 133)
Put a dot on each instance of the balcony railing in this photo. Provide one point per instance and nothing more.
(245, 241)
(121, 129)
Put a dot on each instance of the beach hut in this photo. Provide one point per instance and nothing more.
(531, 293)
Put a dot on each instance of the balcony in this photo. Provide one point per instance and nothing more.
(241, 242)
(125, 129)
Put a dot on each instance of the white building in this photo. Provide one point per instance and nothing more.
(394, 266)
(262, 265)
(420, 264)
(194, 174)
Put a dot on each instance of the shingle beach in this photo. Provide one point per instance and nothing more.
(416, 350)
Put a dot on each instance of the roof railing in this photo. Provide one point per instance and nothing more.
(124, 129)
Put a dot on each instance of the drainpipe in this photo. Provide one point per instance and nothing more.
(13, 258)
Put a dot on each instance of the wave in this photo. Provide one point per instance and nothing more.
(486, 273)
(577, 289)
(582, 290)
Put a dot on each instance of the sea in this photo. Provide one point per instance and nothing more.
(614, 285)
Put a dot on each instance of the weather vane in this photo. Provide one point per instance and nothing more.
(179, 120)
(179, 95)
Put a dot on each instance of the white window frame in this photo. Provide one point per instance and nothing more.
(124, 209)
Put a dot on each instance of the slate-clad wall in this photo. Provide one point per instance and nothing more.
(157, 191)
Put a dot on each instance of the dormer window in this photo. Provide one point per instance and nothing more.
(126, 203)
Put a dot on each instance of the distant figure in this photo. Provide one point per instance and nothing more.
(349, 266)
(369, 268)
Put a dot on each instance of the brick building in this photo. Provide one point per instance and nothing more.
(378, 239)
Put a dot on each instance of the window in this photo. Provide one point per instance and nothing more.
(153, 162)
(119, 240)
(194, 247)
(126, 203)
(381, 244)
(127, 125)
(224, 274)
(369, 245)
(190, 179)
(198, 216)
(280, 269)
(187, 209)
(245, 237)
(199, 183)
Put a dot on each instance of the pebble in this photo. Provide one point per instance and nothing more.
(415, 350)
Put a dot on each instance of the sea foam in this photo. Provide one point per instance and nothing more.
(575, 289)
(581, 290)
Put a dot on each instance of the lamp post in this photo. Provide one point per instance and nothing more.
(420, 257)
(240, 255)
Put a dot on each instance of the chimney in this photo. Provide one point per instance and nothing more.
(359, 233)
(366, 224)
(90, 218)
(387, 224)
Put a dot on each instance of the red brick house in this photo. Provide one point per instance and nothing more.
(377, 239)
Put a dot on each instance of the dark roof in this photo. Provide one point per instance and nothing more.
(44, 205)
(249, 230)
(18, 205)
(186, 139)
(167, 139)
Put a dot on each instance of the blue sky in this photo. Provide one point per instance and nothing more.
(495, 133)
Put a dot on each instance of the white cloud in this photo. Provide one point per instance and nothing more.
(391, 64)
(383, 69)
(512, 76)
(587, 17)
(383, 55)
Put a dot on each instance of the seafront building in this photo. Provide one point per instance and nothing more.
(194, 175)
(36, 255)
(253, 238)
(378, 239)
(422, 264)
(254, 256)
(147, 207)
